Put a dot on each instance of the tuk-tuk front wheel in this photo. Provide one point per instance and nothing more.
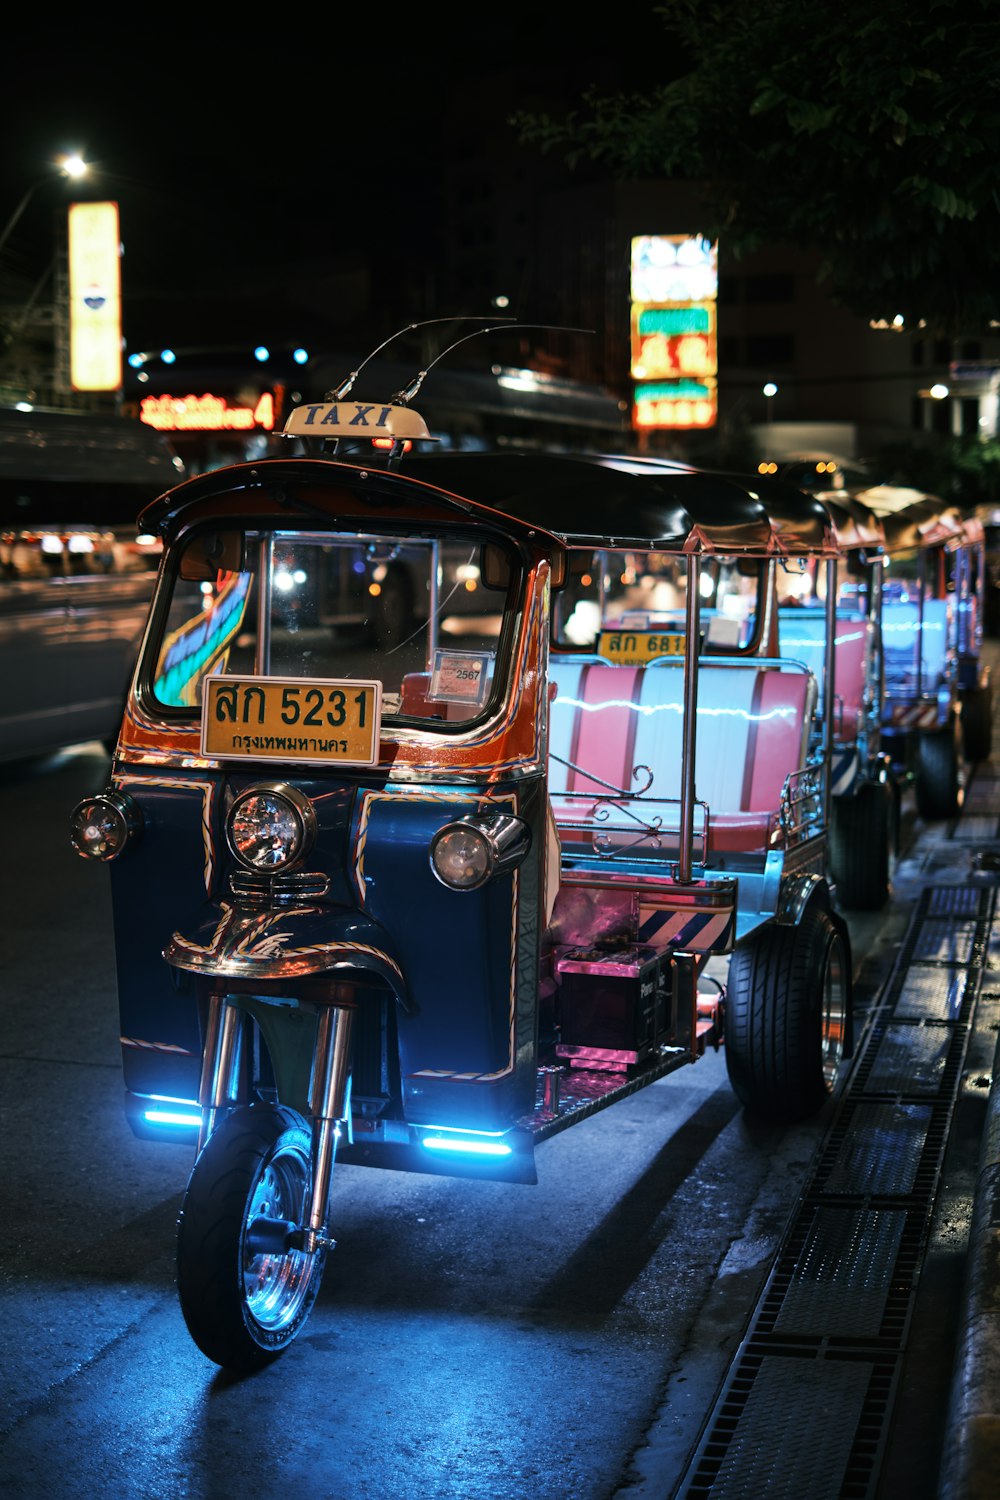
(242, 1304)
(788, 1016)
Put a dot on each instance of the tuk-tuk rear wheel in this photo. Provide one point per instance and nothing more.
(788, 1016)
(939, 780)
(861, 843)
(243, 1308)
(977, 721)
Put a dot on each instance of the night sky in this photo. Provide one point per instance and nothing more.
(229, 148)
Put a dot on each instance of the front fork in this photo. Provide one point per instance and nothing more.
(329, 1088)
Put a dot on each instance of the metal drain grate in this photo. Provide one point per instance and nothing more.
(976, 830)
(841, 1280)
(804, 1411)
(877, 1150)
(932, 993)
(792, 1437)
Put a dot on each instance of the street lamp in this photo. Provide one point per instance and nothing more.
(770, 390)
(69, 166)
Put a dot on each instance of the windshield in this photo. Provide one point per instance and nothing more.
(802, 583)
(421, 615)
(647, 591)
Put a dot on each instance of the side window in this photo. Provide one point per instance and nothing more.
(647, 592)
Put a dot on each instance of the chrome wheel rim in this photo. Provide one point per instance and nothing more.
(275, 1285)
(834, 1016)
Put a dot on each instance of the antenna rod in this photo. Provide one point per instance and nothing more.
(408, 392)
(341, 390)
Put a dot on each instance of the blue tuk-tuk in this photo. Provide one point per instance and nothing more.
(420, 890)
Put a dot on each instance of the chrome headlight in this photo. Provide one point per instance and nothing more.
(101, 826)
(467, 853)
(271, 826)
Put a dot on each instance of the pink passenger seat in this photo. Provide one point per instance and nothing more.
(802, 637)
(902, 627)
(752, 733)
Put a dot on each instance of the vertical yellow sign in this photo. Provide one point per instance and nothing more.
(675, 284)
(95, 300)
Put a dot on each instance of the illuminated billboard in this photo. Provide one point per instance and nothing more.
(95, 301)
(676, 404)
(674, 268)
(674, 342)
(207, 413)
(674, 348)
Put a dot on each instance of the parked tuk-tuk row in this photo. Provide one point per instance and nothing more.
(421, 891)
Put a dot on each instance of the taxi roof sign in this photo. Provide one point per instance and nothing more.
(356, 419)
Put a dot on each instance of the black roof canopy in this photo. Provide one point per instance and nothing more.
(576, 500)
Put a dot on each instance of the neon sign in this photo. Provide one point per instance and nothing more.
(676, 404)
(674, 342)
(674, 268)
(206, 414)
(674, 349)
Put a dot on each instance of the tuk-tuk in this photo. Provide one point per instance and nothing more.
(422, 897)
(937, 708)
(865, 794)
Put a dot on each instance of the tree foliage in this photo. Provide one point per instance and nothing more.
(870, 133)
(962, 470)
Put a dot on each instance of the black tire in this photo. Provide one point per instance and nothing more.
(897, 815)
(788, 1016)
(241, 1309)
(939, 771)
(977, 722)
(861, 843)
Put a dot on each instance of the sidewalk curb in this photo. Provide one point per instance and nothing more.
(971, 1463)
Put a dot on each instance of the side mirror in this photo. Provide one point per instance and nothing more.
(494, 567)
(211, 553)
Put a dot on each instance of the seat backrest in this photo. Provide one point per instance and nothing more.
(725, 703)
(901, 626)
(564, 701)
(853, 646)
(752, 730)
(802, 636)
(778, 736)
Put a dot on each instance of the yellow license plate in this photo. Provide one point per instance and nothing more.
(329, 721)
(634, 648)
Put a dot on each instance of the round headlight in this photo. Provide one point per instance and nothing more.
(470, 851)
(271, 827)
(101, 826)
(461, 856)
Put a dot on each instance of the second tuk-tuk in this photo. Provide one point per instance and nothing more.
(422, 899)
(865, 791)
(937, 709)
